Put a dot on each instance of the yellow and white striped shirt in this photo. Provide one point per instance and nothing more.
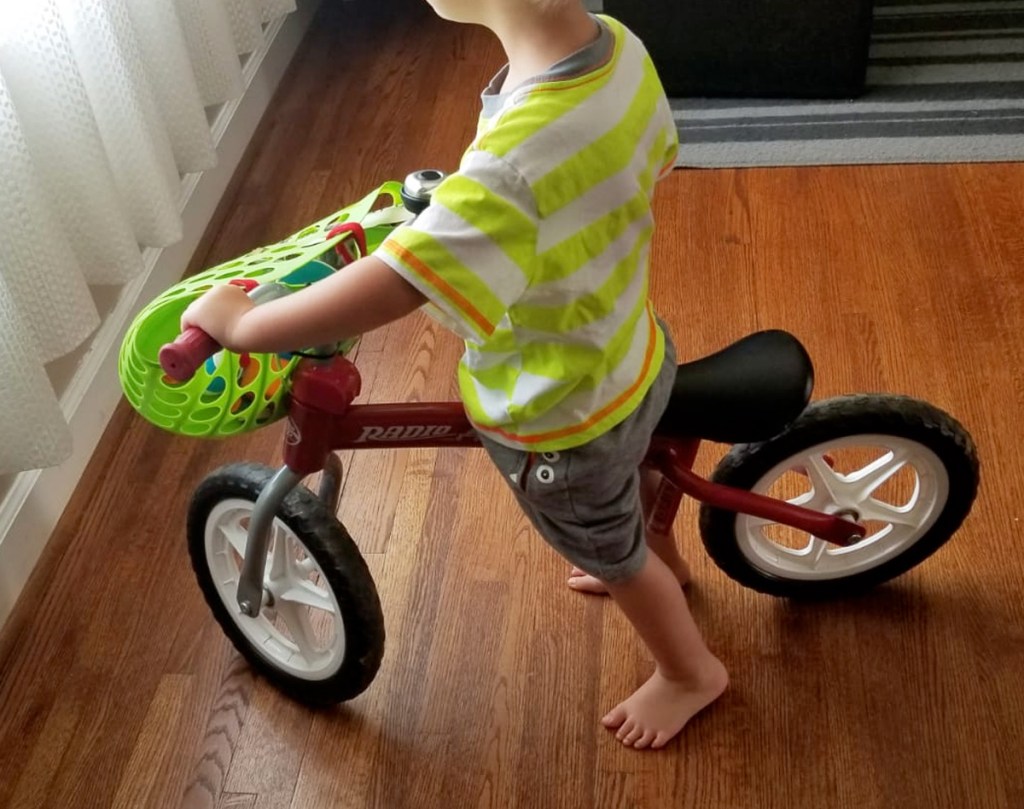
(536, 250)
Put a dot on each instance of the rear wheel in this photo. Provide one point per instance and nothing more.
(320, 633)
(901, 467)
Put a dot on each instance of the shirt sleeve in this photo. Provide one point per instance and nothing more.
(470, 253)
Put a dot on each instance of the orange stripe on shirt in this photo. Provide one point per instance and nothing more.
(600, 414)
(461, 301)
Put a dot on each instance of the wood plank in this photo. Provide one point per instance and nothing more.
(155, 746)
(270, 748)
(44, 760)
(220, 737)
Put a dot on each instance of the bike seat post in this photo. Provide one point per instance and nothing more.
(666, 507)
(664, 456)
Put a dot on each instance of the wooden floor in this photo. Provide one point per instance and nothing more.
(117, 688)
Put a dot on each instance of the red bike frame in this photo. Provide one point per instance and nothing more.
(322, 420)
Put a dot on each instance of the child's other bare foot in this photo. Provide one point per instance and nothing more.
(583, 582)
(660, 708)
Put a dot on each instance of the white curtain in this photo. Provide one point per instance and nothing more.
(103, 110)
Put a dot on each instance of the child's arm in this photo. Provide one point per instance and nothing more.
(356, 299)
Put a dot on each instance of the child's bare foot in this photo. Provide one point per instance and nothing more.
(583, 582)
(660, 708)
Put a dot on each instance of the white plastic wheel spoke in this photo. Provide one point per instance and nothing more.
(801, 499)
(236, 536)
(876, 510)
(297, 620)
(819, 548)
(823, 477)
(762, 522)
(808, 556)
(307, 594)
(875, 474)
(759, 522)
(280, 564)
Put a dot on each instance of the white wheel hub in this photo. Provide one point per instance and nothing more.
(894, 486)
(300, 628)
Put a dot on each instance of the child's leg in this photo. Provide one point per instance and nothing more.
(664, 545)
(688, 676)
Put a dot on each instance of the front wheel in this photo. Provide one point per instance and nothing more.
(319, 636)
(901, 467)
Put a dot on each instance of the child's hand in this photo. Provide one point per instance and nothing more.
(218, 313)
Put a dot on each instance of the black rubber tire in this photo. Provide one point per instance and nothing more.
(863, 414)
(344, 569)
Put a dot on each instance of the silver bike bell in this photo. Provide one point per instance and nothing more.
(418, 189)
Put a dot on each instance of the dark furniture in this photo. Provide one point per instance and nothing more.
(754, 48)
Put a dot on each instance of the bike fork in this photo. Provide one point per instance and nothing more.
(250, 584)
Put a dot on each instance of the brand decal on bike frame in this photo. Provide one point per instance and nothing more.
(292, 435)
(412, 432)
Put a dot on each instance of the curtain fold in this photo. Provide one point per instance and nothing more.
(103, 110)
(207, 29)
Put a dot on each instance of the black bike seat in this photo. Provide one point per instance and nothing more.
(746, 392)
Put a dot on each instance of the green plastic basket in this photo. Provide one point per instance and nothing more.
(232, 394)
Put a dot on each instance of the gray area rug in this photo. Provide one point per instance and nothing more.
(945, 84)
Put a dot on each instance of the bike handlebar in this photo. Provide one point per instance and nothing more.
(186, 355)
(182, 358)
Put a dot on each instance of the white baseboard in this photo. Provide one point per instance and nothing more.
(35, 501)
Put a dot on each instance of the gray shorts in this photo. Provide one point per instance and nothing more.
(585, 501)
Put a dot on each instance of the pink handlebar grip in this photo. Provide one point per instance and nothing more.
(182, 358)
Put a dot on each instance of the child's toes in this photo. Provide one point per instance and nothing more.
(615, 717)
(633, 736)
(588, 584)
(625, 729)
(645, 741)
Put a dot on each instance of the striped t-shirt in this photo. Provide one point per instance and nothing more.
(536, 251)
